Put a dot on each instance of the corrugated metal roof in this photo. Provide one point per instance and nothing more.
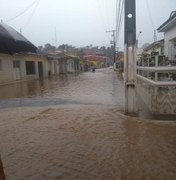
(12, 41)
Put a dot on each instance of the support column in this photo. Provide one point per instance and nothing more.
(130, 57)
(156, 75)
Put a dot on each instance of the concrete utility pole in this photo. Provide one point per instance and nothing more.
(130, 57)
(114, 46)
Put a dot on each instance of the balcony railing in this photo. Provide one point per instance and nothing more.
(155, 73)
(156, 85)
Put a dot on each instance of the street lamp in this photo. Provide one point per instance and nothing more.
(137, 39)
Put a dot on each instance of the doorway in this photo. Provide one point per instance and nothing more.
(40, 69)
(16, 70)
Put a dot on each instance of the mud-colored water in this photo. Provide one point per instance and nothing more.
(91, 142)
(99, 88)
(70, 128)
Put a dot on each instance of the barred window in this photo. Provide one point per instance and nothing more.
(30, 67)
(16, 64)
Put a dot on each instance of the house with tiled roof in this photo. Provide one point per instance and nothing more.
(169, 29)
(157, 47)
(97, 61)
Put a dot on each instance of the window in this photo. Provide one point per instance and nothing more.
(30, 67)
(16, 64)
(0, 64)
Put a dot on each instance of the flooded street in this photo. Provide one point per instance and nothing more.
(71, 127)
(99, 88)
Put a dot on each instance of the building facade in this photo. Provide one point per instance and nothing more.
(169, 29)
(22, 67)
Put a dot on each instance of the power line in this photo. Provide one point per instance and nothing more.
(119, 17)
(106, 11)
(118, 4)
(151, 21)
(150, 15)
(33, 12)
(23, 11)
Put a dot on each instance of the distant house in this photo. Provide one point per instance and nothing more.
(139, 52)
(169, 29)
(61, 63)
(72, 64)
(53, 64)
(156, 47)
(97, 61)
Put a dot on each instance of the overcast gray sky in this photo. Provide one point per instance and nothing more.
(80, 22)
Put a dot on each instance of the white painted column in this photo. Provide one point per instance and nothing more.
(130, 57)
(130, 80)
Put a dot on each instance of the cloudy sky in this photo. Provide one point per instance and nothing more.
(80, 22)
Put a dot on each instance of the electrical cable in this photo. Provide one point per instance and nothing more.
(150, 15)
(33, 12)
(22, 12)
(105, 22)
(151, 20)
(118, 2)
(119, 20)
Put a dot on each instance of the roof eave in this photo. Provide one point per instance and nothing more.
(164, 27)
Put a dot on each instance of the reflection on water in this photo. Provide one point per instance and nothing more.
(101, 87)
(92, 142)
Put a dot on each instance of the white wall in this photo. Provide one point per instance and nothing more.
(169, 50)
(70, 66)
(6, 73)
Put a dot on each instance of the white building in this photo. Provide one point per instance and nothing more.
(169, 29)
(22, 67)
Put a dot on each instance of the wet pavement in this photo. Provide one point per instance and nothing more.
(71, 128)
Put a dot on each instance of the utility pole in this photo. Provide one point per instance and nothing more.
(114, 46)
(55, 37)
(130, 57)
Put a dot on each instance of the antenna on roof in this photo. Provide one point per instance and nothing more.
(21, 30)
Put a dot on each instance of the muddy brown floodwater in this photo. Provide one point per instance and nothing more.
(81, 138)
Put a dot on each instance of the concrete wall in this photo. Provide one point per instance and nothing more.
(54, 67)
(7, 71)
(169, 49)
(62, 66)
(158, 101)
(70, 66)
